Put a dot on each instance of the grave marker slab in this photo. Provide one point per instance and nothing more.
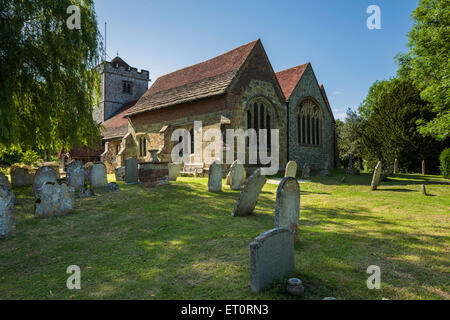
(249, 195)
(7, 222)
(287, 205)
(215, 177)
(131, 171)
(54, 200)
(376, 176)
(43, 175)
(97, 173)
(174, 170)
(237, 174)
(291, 169)
(75, 172)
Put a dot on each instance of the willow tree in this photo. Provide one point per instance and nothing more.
(47, 74)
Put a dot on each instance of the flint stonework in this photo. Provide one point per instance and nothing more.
(54, 200)
(98, 178)
(287, 206)
(237, 175)
(215, 177)
(249, 195)
(43, 175)
(75, 172)
(271, 258)
(131, 171)
(291, 169)
(376, 176)
(7, 222)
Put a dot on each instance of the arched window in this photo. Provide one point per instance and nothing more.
(142, 147)
(309, 123)
(260, 116)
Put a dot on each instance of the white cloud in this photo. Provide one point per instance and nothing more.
(337, 92)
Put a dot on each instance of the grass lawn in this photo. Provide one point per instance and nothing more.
(180, 242)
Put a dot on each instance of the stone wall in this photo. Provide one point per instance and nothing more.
(317, 156)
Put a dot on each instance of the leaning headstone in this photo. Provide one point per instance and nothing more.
(75, 175)
(387, 173)
(249, 195)
(174, 170)
(306, 172)
(350, 169)
(228, 179)
(54, 200)
(423, 167)
(291, 169)
(376, 176)
(43, 175)
(113, 187)
(86, 192)
(119, 172)
(287, 205)
(131, 171)
(215, 177)
(424, 190)
(4, 182)
(237, 173)
(271, 258)
(7, 222)
(98, 178)
(395, 166)
(21, 176)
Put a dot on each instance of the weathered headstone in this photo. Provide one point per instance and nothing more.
(424, 190)
(350, 169)
(237, 174)
(4, 181)
(21, 176)
(7, 222)
(387, 173)
(291, 169)
(228, 179)
(119, 172)
(249, 195)
(75, 172)
(86, 192)
(396, 166)
(287, 205)
(113, 187)
(215, 177)
(376, 176)
(306, 172)
(43, 175)
(423, 167)
(98, 178)
(271, 258)
(54, 200)
(131, 171)
(324, 173)
(174, 170)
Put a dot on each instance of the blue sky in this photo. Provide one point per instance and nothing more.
(347, 57)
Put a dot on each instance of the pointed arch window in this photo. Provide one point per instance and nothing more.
(260, 116)
(142, 147)
(309, 123)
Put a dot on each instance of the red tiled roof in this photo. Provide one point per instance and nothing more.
(325, 98)
(117, 125)
(289, 78)
(205, 79)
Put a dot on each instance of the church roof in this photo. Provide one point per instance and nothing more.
(289, 78)
(202, 80)
(117, 125)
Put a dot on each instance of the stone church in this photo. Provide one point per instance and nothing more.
(238, 89)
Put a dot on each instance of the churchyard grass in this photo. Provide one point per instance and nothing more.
(180, 242)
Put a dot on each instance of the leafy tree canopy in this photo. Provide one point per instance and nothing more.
(47, 74)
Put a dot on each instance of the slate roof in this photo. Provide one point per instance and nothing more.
(206, 79)
(289, 78)
(117, 125)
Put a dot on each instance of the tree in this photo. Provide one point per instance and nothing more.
(47, 75)
(390, 131)
(348, 136)
(427, 63)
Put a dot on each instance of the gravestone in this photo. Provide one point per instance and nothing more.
(376, 176)
(424, 190)
(423, 167)
(153, 174)
(237, 174)
(86, 192)
(97, 174)
(43, 175)
(113, 187)
(215, 177)
(350, 169)
(291, 169)
(21, 176)
(395, 166)
(4, 181)
(228, 179)
(249, 195)
(54, 200)
(174, 170)
(324, 173)
(287, 205)
(119, 172)
(387, 173)
(7, 222)
(131, 171)
(271, 258)
(306, 172)
(75, 172)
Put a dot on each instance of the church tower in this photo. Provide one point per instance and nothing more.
(119, 85)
